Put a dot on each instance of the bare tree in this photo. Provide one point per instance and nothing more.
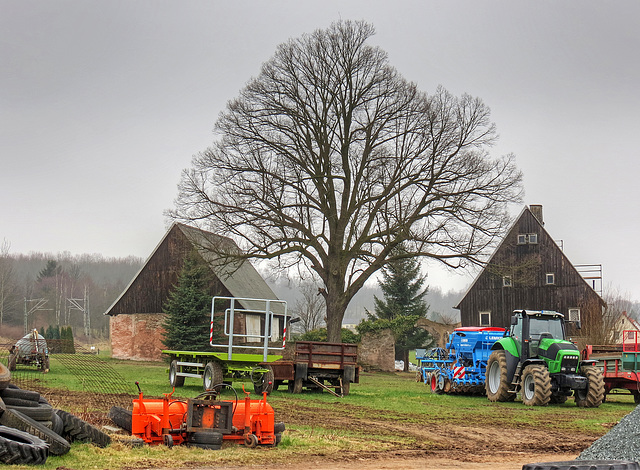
(310, 308)
(7, 284)
(329, 159)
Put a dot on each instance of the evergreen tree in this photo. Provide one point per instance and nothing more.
(403, 304)
(188, 308)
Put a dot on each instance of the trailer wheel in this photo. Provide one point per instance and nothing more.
(594, 393)
(212, 375)
(496, 383)
(19, 447)
(636, 398)
(346, 386)
(175, 380)
(536, 385)
(297, 385)
(437, 383)
(264, 383)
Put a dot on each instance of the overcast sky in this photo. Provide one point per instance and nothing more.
(103, 103)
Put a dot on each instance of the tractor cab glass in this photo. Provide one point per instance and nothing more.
(516, 331)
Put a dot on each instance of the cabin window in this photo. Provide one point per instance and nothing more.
(533, 238)
(550, 279)
(506, 281)
(574, 314)
(522, 239)
(527, 239)
(485, 318)
(275, 328)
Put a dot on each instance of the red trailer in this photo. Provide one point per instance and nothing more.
(619, 363)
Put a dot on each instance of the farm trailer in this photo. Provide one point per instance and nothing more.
(619, 364)
(228, 363)
(316, 365)
(462, 367)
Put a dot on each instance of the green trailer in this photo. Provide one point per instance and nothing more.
(245, 355)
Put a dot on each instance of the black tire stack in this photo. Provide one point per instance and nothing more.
(31, 429)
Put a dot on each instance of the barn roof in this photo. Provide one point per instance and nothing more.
(240, 279)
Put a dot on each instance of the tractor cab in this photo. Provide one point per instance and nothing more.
(536, 329)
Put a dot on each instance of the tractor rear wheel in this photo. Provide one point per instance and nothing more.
(212, 375)
(593, 395)
(496, 383)
(536, 385)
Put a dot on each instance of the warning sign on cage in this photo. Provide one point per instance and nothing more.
(458, 372)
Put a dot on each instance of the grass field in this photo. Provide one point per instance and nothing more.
(385, 412)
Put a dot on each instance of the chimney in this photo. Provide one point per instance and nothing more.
(536, 210)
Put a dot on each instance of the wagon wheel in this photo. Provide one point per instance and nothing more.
(262, 382)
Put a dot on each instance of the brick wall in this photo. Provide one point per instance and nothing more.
(377, 351)
(137, 336)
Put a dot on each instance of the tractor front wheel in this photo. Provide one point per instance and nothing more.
(496, 383)
(536, 385)
(593, 395)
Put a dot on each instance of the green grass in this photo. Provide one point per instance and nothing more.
(374, 415)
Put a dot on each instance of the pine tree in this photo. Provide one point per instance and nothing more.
(402, 305)
(188, 309)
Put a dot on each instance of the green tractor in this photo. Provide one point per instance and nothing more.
(536, 360)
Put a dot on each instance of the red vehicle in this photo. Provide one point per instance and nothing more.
(619, 363)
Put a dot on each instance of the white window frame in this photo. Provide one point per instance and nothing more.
(532, 238)
(488, 314)
(522, 239)
(572, 314)
(550, 277)
(253, 327)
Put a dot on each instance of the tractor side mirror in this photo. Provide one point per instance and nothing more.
(579, 325)
(514, 320)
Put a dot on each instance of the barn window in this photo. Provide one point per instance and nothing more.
(485, 318)
(522, 239)
(574, 314)
(253, 328)
(533, 238)
(506, 281)
(550, 279)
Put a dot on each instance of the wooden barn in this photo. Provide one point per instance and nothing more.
(528, 270)
(136, 316)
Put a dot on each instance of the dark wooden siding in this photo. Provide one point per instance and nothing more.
(527, 266)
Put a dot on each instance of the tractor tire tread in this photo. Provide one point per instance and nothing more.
(15, 419)
(76, 429)
(594, 395)
(21, 448)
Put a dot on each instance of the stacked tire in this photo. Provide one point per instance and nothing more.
(31, 429)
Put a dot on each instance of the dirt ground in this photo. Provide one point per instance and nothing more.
(468, 445)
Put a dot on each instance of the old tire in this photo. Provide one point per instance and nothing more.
(78, 430)
(212, 375)
(265, 382)
(11, 362)
(40, 412)
(536, 385)
(583, 465)
(15, 419)
(174, 379)
(297, 385)
(120, 417)
(21, 448)
(211, 440)
(20, 394)
(593, 396)
(5, 376)
(496, 383)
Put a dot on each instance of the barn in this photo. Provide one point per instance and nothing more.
(529, 270)
(136, 315)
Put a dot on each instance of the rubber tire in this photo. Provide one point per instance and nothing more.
(536, 376)
(11, 362)
(57, 425)
(175, 380)
(40, 412)
(583, 465)
(278, 428)
(297, 385)
(496, 384)
(21, 448)
(15, 419)
(18, 393)
(76, 429)
(436, 383)
(212, 375)
(121, 417)
(5, 376)
(265, 383)
(593, 396)
(206, 437)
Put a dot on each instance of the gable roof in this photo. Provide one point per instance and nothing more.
(527, 212)
(240, 279)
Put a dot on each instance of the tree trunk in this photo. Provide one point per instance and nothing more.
(336, 308)
(405, 358)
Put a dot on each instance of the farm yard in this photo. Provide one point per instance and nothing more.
(387, 421)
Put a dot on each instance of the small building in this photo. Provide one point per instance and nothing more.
(136, 316)
(623, 323)
(528, 270)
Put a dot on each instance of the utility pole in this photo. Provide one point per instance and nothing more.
(39, 303)
(84, 308)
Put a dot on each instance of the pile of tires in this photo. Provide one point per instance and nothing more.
(31, 429)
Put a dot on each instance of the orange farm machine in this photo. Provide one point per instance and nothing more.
(205, 421)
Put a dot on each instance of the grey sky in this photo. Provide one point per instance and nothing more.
(102, 104)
